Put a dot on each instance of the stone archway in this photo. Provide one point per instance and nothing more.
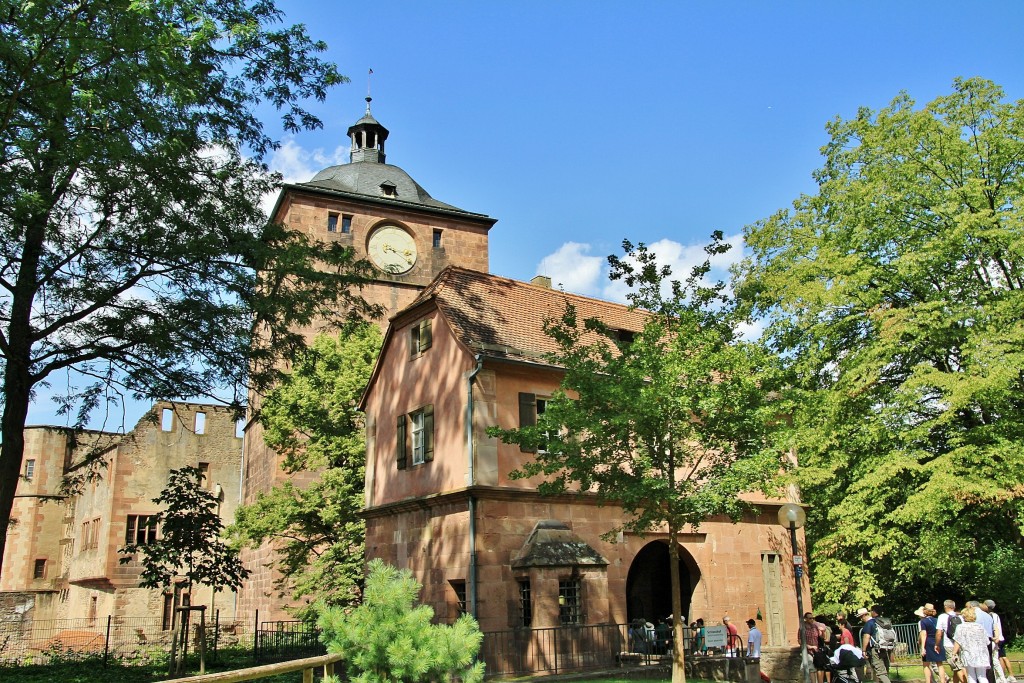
(649, 587)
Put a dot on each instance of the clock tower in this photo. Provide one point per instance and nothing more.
(409, 237)
(387, 217)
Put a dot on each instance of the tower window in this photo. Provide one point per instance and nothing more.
(332, 222)
(39, 570)
(459, 587)
(30, 469)
(346, 224)
(525, 603)
(204, 475)
(437, 239)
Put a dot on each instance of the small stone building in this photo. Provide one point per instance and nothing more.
(62, 560)
(467, 354)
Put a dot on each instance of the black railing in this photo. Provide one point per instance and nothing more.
(277, 641)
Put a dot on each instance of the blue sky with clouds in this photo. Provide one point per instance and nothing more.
(577, 124)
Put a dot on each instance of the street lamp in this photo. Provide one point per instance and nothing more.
(792, 516)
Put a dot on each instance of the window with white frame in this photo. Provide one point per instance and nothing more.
(415, 437)
(420, 338)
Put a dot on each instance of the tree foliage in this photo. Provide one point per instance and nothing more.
(672, 425)
(895, 294)
(135, 260)
(311, 418)
(390, 639)
(189, 543)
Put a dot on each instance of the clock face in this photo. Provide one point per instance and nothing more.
(392, 249)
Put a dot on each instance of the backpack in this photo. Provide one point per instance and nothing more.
(954, 620)
(885, 635)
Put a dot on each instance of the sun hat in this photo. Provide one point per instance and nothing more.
(862, 611)
(919, 612)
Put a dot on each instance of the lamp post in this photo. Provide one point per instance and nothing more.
(792, 517)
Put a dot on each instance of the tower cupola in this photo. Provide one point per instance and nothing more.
(368, 138)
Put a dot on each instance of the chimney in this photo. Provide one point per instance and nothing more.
(541, 281)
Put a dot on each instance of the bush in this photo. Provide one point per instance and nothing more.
(387, 639)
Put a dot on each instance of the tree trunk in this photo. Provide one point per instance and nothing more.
(678, 619)
(17, 375)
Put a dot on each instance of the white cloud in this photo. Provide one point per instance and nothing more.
(682, 258)
(298, 165)
(572, 269)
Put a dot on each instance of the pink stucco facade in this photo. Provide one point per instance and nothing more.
(419, 516)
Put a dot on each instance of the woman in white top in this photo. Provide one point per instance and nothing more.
(971, 642)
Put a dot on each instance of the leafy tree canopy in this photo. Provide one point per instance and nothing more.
(134, 257)
(671, 425)
(895, 294)
(311, 418)
(390, 639)
(189, 543)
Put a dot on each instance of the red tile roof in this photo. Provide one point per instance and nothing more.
(498, 316)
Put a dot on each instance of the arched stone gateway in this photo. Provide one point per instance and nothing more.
(649, 586)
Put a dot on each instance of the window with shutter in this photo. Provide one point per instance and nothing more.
(527, 415)
(400, 429)
(420, 338)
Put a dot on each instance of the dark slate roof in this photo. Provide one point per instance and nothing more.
(552, 544)
(364, 179)
(500, 317)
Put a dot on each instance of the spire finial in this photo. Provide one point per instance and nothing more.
(368, 98)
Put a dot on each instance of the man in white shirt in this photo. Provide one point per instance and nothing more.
(753, 639)
(997, 637)
(942, 631)
(1000, 640)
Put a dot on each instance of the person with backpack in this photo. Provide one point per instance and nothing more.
(875, 641)
(944, 630)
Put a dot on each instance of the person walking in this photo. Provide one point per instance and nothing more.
(932, 654)
(1000, 641)
(970, 642)
(732, 643)
(878, 659)
(944, 630)
(753, 639)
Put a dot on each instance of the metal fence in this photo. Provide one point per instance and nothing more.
(277, 641)
(127, 640)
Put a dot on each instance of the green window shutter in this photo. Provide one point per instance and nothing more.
(428, 433)
(527, 415)
(426, 335)
(401, 442)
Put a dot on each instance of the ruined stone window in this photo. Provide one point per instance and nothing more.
(167, 419)
(39, 569)
(420, 338)
(140, 530)
(415, 436)
(93, 604)
(204, 475)
(459, 586)
(332, 222)
(569, 601)
(525, 603)
(30, 469)
(200, 424)
(437, 239)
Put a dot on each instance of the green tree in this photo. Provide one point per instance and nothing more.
(390, 639)
(672, 425)
(189, 543)
(312, 419)
(895, 294)
(134, 256)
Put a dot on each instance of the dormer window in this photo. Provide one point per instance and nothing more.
(389, 189)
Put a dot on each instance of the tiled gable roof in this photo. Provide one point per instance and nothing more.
(497, 316)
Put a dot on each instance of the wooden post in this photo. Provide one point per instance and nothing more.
(202, 638)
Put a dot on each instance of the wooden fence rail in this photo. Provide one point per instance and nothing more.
(256, 673)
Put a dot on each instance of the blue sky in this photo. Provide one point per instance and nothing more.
(577, 124)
